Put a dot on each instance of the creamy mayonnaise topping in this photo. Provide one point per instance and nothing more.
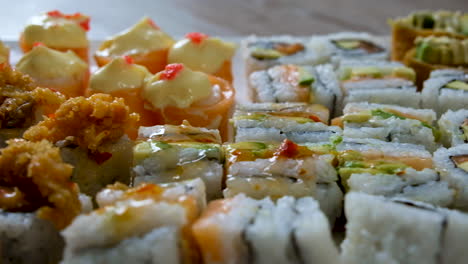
(177, 86)
(207, 55)
(45, 63)
(4, 53)
(119, 74)
(57, 31)
(143, 37)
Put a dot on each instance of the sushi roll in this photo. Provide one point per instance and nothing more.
(123, 78)
(292, 83)
(201, 52)
(260, 53)
(425, 23)
(297, 122)
(22, 103)
(164, 154)
(61, 71)
(244, 230)
(453, 126)
(136, 225)
(90, 134)
(4, 55)
(37, 200)
(393, 170)
(431, 53)
(357, 45)
(58, 31)
(452, 165)
(390, 123)
(381, 230)
(144, 42)
(260, 169)
(178, 93)
(445, 90)
(377, 82)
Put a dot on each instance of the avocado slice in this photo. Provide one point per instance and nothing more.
(426, 53)
(305, 77)
(357, 117)
(464, 128)
(371, 72)
(265, 54)
(460, 161)
(347, 44)
(385, 115)
(464, 24)
(464, 166)
(405, 73)
(249, 145)
(458, 85)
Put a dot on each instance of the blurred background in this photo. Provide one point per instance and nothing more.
(225, 17)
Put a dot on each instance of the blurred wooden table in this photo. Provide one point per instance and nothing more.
(226, 17)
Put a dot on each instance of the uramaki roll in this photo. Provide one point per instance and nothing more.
(145, 43)
(61, 71)
(426, 23)
(201, 52)
(58, 31)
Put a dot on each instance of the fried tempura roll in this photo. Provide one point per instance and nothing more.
(37, 200)
(4, 55)
(145, 43)
(201, 52)
(90, 134)
(145, 224)
(58, 31)
(61, 71)
(22, 104)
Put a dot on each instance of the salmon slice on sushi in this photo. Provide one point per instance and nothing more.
(90, 134)
(61, 71)
(244, 230)
(144, 42)
(201, 52)
(58, 31)
(168, 153)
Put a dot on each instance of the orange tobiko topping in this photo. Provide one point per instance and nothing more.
(196, 37)
(171, 71)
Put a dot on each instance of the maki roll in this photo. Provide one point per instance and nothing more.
(453, 126)
(297, 122)
(445, 90)
(90, 134)
(4, 55)
(260, 169)
(293, 83)
(393, 170)
(433, 53)
(260, 53)
(168, 153)
(22, 104)
(201, 52)
(390, 123)
(58, 31)
(144, 224)
(61, 71)
(425, 23)
(381, 230)
(144, 42)
(357, 45)
(244, 230)
(377, 82)
(452, 165)
(37, 200)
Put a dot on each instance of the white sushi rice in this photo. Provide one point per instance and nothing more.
(441, 99)
(449, 126)
(403, 96)
(24, 238)
(380, 230)
(456, 177)
(388, 148)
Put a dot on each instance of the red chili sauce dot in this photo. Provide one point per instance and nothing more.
(171, 71)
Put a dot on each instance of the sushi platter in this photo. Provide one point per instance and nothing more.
(142, 147)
